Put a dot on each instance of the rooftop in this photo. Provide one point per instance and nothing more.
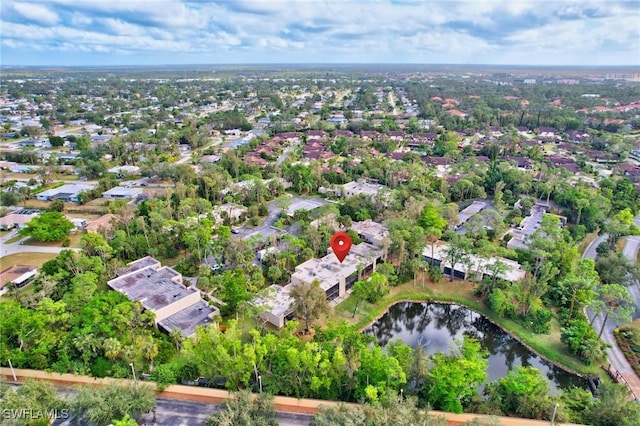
(189, 318)
(476, 263)
(328, 270)
(154, 289)
(473, 209)
(136, 265)
(276, 300)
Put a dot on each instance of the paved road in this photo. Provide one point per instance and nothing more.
(286, 153)
(590, 252)
(614, 354)
(175, 412)
(17, 247)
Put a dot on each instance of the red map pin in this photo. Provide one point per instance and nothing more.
(341, 244)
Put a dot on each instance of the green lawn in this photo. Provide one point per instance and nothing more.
(547, 345)
(14, 239)
(33, 259)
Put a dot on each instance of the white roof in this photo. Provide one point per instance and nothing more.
(476, 263)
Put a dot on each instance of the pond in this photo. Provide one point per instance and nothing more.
(435, 326)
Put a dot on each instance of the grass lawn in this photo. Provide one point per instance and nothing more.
(33, 259)
(587, 240)
(74, 237)
(547, 345)
(14, 239)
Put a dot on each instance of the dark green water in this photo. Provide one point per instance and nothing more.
(435, 326)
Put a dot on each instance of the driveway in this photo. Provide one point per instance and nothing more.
(17, 247)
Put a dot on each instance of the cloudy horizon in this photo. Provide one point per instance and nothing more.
(156, 32)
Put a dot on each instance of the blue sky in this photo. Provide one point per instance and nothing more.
(147, 32)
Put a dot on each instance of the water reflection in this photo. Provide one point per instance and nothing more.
(435, 326)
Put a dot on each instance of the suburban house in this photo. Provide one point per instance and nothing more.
(18, 219)
(473, 265)
(122, 193)
(20, 275)
(124, 170)
(160, 290)
(233, 212)
(360, 187)
(67, 192)
(101, 225)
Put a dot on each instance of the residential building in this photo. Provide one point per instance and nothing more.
(276, 305)
(371, 232)
(233, 212)
(67, 192)
(361, 187)
(124, 170)
(122, 193)
(337, 278)
(471, 210)
(20, 275)
(529, 225)
(18, 219)
(472, 264)
(101, 225)
(160, 289)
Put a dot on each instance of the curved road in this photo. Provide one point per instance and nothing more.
(18, 247)
(614, 354)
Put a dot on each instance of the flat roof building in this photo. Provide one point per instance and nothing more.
(361, 187)
(276, 303)
(336, 278)
(160, 290)
(528, 226)
(473, 265)
(371, 232)
(471, 210)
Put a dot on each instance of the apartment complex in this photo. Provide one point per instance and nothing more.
(472, 264)
(335, 278)
(160, 290)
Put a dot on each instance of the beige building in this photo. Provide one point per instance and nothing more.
(371, 232)
(160, 290)
(335, 278)
(472, 264)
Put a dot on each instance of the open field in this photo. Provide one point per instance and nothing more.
(74, 237)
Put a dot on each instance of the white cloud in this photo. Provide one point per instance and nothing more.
(36, 12)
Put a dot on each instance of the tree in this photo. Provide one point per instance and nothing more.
(524, 391)
(244, 410)
(309, 302)
(456, 377)
(95, 245)
(391, 411)
(234, 291)
(56, 141)
(431, 218)
(373, 288)
(48, 226)
(615, 302)
(125, 421)
(100, 405)
(457, 252)
(27, 400)
(615, 268)
(613, 407)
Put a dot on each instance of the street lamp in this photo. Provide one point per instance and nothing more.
(553, 417)
(133, 371)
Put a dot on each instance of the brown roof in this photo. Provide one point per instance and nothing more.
(101, 222)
